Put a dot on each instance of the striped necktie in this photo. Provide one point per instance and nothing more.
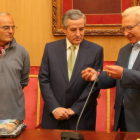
(71, 61)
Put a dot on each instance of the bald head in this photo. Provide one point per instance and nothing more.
(5, 17)
(2, 13)
(135, 10)
(6, 31)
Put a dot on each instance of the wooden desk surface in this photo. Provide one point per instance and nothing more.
(89, 135)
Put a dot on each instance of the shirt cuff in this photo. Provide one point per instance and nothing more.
(54, 110)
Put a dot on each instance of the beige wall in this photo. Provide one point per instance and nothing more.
(34, 21)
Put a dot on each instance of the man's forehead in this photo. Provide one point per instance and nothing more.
(75, 27)
(76, 24)
(129, 17)
(6, 19)
(129, 20)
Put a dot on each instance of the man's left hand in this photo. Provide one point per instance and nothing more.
(71, 112)
(114, 71)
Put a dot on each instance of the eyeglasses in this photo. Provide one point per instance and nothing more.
(7, 28)
(128, 28)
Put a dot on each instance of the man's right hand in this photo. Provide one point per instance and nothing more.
(61, 114)
(89, 74)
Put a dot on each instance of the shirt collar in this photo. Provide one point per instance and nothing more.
(136, 46)
(138, 43)
(7, 46)
(69, 44)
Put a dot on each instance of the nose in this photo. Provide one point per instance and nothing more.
(126, 33)
(11, 30)
(78, 33)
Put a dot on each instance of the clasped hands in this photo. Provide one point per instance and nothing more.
(114, 71)
(62, 113)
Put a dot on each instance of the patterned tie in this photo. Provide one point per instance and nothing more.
(2, 51)
(71, 60)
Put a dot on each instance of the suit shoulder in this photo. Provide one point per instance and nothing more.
(126, 46)
(54, 43)
(94, 45)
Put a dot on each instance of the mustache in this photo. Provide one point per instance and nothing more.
(78, 38)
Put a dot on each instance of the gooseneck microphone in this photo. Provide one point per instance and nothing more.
(75, 135)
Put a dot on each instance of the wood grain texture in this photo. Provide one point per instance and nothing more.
(54, 134)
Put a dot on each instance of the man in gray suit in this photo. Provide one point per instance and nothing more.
(125, 75)
(62, 87)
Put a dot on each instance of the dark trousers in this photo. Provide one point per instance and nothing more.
(63, 125)
(122, 123)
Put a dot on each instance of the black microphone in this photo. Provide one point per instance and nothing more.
(75, 135)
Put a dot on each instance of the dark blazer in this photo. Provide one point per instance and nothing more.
(127, 89)
(58, 91)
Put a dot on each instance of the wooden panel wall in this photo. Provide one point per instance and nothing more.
(34, 21)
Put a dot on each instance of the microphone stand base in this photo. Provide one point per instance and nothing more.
(71, 136)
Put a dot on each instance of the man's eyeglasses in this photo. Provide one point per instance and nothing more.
(7, 28)
(128, 28)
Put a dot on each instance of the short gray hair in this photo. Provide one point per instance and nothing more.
(132, 10)
(72, 14)
(2, 13)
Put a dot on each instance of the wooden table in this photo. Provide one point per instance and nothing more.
(47, 134)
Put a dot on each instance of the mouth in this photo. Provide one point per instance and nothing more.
(130, 37)
(77, 39)
(9, 36)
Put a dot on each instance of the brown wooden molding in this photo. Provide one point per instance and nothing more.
(96, 29)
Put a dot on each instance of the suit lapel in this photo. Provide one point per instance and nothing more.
(137, 62)
(82, 56)
(125, 59)
(62, 58)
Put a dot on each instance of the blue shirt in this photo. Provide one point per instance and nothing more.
(134, 53)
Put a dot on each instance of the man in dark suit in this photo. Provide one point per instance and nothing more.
(62, 87)
(125, 75)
